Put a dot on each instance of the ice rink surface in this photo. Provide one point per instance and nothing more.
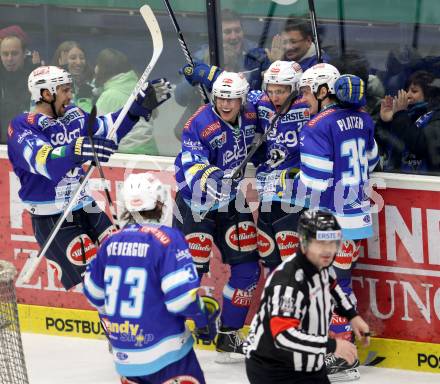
(69, 360)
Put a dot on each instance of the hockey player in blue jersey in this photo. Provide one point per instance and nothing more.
(277, 237)
(338, 152)
(211, 210)
(47, 148)
(144, 283)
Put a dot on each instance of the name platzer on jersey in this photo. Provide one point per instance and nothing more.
(350, 122)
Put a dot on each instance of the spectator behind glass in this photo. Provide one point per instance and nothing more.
(70, 56)
(15, 67)
(355, 63)
(239, 55)
(409, 126)
(116, 79)
(295, 43)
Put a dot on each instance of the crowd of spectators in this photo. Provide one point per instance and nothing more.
(402, 99)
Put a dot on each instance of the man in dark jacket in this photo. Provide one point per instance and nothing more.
(14, 70)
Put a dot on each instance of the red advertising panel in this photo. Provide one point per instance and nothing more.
(397, 281)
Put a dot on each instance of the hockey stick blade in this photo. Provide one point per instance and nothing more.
(156, 35)
(184, 47)
(372, 359)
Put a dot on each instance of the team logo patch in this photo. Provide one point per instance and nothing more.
(200, 246)
(265, 243)
(121, 356)
(288, 243)
(182, 380)
(247, 237)
(344, 257)
(242, 298)
(76, 248)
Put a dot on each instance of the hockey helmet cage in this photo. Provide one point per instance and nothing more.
(47, 77)
(320, 74)
(142, 191)
(284, 73)
(230, 85)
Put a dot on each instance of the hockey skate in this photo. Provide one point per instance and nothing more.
(338, 370)
(229, 346)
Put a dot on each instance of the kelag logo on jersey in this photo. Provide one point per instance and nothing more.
(64, 137)
(288, 138)
(236, 154)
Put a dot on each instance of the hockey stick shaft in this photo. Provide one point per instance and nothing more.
(90, 124)
(315, 30)
(185, 48)
(239, 171)
(153, 27)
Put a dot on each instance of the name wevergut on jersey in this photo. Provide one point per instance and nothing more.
(127, 249)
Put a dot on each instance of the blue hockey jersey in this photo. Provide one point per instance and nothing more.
(209, 144)
(48, 179)
(144, 282)
(338, 152)
(281, 148)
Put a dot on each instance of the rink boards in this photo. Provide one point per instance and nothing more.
(397, 280)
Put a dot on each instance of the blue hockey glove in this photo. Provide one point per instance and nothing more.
(152, 94)
(201, 73)
(350, 90)
(218, 186)
(206, 328)
(80, 150)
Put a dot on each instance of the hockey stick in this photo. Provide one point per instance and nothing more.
(153, 27)
(315, 30)
(90, 123)
(185, 48)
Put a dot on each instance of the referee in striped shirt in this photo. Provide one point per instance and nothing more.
(288, 338)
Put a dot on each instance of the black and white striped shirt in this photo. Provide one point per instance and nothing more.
(290, 328)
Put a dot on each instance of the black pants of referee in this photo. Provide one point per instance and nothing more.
(257, 374)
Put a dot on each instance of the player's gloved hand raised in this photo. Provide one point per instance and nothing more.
(201, 73)
(350, 91)
(206, 327)
(151, 95)
(80, 150)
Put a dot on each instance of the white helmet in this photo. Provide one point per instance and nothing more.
(47, 77)
(284, 73)
(320, 74)
(142, 191)
(231, 85)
